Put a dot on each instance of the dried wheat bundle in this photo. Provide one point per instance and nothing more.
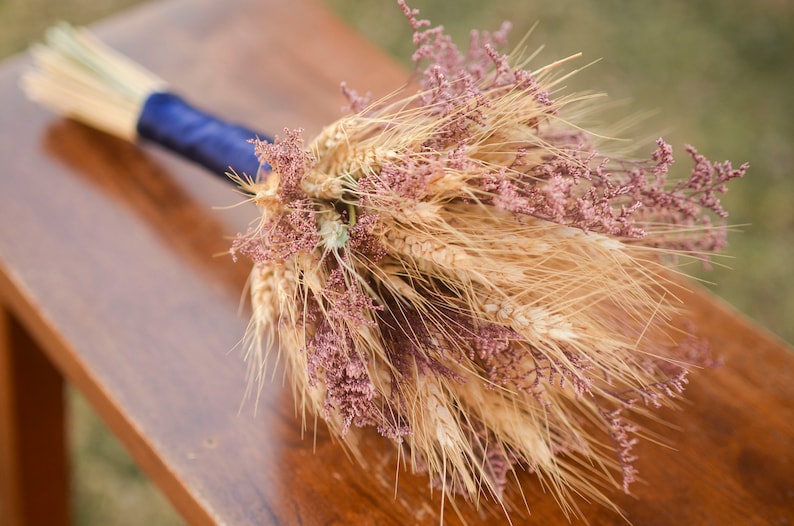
(461, 269)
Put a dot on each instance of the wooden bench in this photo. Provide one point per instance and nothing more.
(109, 281)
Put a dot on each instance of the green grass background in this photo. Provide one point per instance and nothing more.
(718, 74)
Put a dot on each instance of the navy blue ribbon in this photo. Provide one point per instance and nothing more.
(167, 120)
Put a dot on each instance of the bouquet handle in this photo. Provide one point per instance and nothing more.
(168, 120)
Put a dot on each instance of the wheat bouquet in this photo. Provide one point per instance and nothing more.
(458, 267)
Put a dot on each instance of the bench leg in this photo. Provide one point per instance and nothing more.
(34, 486)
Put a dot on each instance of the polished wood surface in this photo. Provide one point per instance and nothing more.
(108, 257)
(33, 459)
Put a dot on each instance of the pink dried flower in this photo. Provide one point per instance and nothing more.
(346, 304)
(289, 158)
(333, 361)
(365, 240)
(291, 231)
(620, 432)
(663, 156)
(355, 102)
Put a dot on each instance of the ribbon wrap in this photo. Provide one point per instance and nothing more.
(168, 120)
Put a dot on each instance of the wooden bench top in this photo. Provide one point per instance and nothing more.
(108, 258)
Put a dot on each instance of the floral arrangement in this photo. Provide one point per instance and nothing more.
(463, 269)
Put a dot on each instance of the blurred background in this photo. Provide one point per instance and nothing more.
(714, 73)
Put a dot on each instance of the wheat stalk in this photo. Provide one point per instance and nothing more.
(80, 77)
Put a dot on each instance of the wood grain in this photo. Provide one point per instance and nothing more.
(108, 256)
(32, 441)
